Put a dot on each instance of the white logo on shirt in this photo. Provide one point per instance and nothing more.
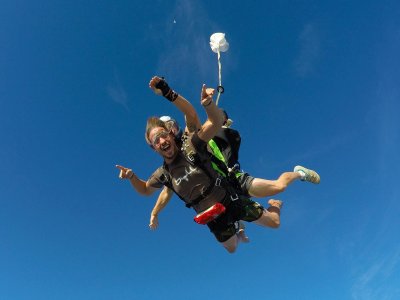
(186, 176)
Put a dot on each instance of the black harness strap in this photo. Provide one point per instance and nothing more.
(194, 159)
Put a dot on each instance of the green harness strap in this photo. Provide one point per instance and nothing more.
(217, 153)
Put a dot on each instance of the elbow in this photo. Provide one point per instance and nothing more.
(217, 122)
(221, 118)
(145, 192)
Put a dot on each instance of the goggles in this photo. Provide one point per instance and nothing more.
(170, 123)
(156, 138)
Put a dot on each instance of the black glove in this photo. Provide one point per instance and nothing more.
(167, 92)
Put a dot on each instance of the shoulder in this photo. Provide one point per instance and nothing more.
(157, 179)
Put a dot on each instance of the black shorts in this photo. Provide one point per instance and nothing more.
(241, 209)
(245, 181)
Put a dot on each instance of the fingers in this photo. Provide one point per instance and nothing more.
(154, 81)
(121, 167)
(128, 173)
(210, 91)
(124, 172)
(203, 91)
(153, 223)
(206, 92)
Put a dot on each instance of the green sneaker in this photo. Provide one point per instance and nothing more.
(309, 175)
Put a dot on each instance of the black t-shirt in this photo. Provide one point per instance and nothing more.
(191, 181)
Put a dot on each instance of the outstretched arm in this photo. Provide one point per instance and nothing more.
(163, 199)
(160, 87)
(215, 117)
(138, 184)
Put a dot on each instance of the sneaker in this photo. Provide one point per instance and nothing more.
(310, 175)
(275, 203)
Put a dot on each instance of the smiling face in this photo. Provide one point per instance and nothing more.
(163, 142)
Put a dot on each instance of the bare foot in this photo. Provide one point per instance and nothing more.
(242, 237)
(275, 203)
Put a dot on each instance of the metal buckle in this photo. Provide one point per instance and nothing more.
(234, 197)
(218, 182)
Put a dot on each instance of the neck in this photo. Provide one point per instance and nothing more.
(170, 159)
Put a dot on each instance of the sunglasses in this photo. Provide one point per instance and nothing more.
(156, 138)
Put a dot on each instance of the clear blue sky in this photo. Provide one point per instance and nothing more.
(314, 83)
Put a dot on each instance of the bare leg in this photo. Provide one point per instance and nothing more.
(263, 188)
(231, 244)
(271, 215)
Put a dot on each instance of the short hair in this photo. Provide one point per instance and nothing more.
(153, 122)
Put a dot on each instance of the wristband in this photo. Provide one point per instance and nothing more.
(171, 96)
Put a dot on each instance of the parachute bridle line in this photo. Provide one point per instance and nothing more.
(219, 44)
(220, 88)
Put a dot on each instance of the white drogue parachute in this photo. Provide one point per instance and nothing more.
(219, 44)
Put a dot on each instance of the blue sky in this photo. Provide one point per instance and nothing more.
(314, 83)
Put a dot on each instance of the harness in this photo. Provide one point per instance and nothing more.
(221, 176)
(228, 142)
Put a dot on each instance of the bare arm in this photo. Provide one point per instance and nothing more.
(215, 117)
(138, 184)
(162, 201)
(191, 117)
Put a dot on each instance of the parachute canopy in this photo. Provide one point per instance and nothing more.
(218, 42)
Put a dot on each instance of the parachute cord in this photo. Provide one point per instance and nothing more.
(219, 76)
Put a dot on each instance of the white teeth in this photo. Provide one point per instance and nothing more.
(165, 147)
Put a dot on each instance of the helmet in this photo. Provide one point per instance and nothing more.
(226, 117)
(227, 122)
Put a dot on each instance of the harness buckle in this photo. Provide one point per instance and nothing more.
(218, 182)
(234, 197)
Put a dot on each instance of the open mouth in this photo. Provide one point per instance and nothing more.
(165, 146)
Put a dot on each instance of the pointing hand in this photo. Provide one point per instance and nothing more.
(124, 173)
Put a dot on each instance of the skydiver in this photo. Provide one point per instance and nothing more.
(250, 186)
(199, 184)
